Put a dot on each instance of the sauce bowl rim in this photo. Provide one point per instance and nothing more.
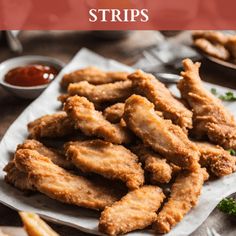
(33, 58)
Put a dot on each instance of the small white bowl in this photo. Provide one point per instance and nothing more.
(32, 91)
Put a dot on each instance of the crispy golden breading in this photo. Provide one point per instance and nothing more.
(55, 156)
(231, 45)
(17, 178)
(217, 160)
(63, 97)
(210, 117)
(60, 184)
(92, 75)
(212, 36)
(184, 195)
(164, 137)
(114, 112)
(214, 50)
(93, 123)
(34, 226)
(160, 171)
(136, 210)
(51, 126)
(109, 160)
(112, 92)
(148, 86)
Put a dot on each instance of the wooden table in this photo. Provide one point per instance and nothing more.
(64, 45)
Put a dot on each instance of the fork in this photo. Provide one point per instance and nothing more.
(212, 232)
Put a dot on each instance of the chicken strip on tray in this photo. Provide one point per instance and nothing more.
(92, 75)
(109, 160)
(60, 184)
(210, 117)
(112, 92)
(184, 196)
(114, 112)
(148, 86)
(164, 137)
(92, 123)
(160, 171)
(17, 178)
(217, 160)
(214, 50)
(51, 126)
(136, 210)
(55, 156)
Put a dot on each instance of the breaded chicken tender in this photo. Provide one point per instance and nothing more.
(164, 137)
(60, 184)
(17, 178)
(51, 126)
(214, 50)
(55, 156)
(210, 35)
(114, 112)
(231, 45)
(184, 196)
(217, 160)
(210, 117)
(160, 171)
(109, 160)
(112, 92)
(136, 210)
(92, 123)
(92, 75)
(156, 92)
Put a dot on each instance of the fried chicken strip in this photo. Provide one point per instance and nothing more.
(55, 156)
(109, 160)
(148, 86)
(212, 36)
(216, 159)
(92, 75)
(93, 123)
(114, 112)
(160, 171)
(112, 92)
(17, 178)
(215, 50)
(136, 210)
(210, 117)
(60, 184)
(51, 126)
(164, 137)
(231, 45)
(184, 196)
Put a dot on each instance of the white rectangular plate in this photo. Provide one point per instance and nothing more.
(83, 219)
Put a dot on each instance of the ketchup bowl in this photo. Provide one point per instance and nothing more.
(28, 76)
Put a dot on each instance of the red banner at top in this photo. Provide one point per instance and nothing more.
(117, 15)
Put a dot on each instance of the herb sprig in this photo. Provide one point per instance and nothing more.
(228, 96)
(232, 152)
(228, 205)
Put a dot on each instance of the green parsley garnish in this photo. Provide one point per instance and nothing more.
(232, 152)
(228, 205)
(213, 91)
(228, 96)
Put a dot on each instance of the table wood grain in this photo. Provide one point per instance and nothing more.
(64, 45)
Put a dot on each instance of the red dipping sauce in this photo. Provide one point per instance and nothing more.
(31, 75)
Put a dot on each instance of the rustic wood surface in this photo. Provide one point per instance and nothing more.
(64, 45)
